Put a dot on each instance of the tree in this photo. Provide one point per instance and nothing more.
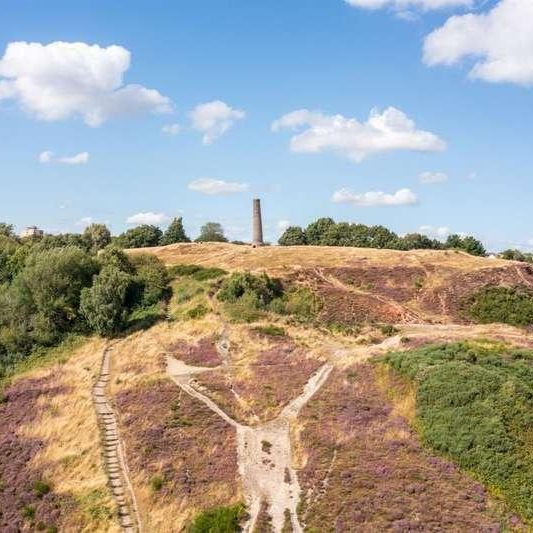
(142, 236)
(212, 232)
(50, 284)
(293, 236)
(416, 241)
(7, 230)
(381, 237)
(473, 246)
(175, 233)
(103, 305)
(97, 236)
(316, 230)
(151, 279)
(113, 256)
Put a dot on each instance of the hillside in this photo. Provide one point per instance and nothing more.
(359, 284)
(286, 407)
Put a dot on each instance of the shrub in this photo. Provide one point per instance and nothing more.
(302, 303)
(259, 289)
(389, 330)
(197, 272)
(502, 304)
(156, 483)
(196, 312)
(271, 330)
(151, 280)
(474, 403)
(219, 520)
(41, 488)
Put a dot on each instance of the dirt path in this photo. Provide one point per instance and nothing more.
(114, 455)
(264, 451)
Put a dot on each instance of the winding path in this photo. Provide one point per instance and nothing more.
(113, 451)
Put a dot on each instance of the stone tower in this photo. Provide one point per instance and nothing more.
(257, 237)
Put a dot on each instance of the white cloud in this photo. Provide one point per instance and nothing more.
(433, 177)
(382, 132)
(85, 221)
(62, 80)
(214, 119)
(217, 187)
(283, 224)
(440, 232)
(49, 157)
(147, 218)
(425, 5)
(500, 41)
(375, 198)
(171, 129)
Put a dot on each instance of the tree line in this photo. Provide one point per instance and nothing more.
(327, 232)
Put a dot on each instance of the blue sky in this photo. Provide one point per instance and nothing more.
(260, 61)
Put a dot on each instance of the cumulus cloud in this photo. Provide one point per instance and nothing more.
(433, 177)
(382, 132)
(500, 42)
(214, 119)
(49, 157)
(171, 129)
(147, 218)
(375, 198)
(215, 187)
(62, 80)
(424, 5)
(440, 232)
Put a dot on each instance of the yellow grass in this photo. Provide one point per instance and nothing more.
(71, 458)
(277, 259)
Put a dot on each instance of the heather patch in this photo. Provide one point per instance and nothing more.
(268, 383)
(203, 353)
(365, 470)
(178, 449)
(27, 498)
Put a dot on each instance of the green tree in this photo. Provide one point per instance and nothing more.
(381, 237)
(293, 236)
(212, 232)
(104, 304)
(7, 230)
(97, 236)
(113, 256)
(49, 287)
(142, 236)
(151, 279)
(175, 233)
(473, 246)
(316, 230)
(416, 241)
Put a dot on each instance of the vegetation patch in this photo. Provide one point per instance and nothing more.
(219, 520)
(270, 330)
(474, 403)
(196, 272)
(507, 305)
(367, 471)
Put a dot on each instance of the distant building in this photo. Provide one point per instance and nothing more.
(257, 224)
(31, 231)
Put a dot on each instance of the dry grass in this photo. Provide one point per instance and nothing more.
(70, 458)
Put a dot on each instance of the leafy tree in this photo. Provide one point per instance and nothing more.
(381, 237)
(416, 241)
(454, 241)
(104, 304)
(113, 256)
(316, 230)
(262, 289)
(97, 236)
(7, 230)
(338, 235)
(49, 287)
(175, 233)
(293, 236)
(151, 279)
(142, 236)
(516, 255)
(212, 232)
(473, 246)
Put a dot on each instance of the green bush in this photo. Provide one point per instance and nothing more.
(197, 272)
(502, 304)
(151, 280)
(300, 302)
(41, 488)
(219, 520)
(270, 330)
(258, 289)
(474, 404)
(156, 483)
(196, 312)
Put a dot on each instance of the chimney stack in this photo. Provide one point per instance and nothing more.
(257, 238)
